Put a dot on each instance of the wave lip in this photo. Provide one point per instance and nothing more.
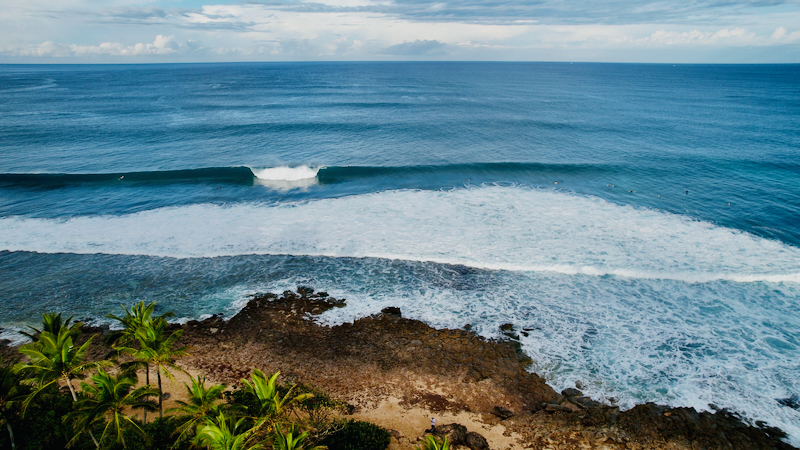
(285, 173)
(285, 177)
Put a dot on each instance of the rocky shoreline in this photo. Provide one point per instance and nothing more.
(398, 372)
(386, 355)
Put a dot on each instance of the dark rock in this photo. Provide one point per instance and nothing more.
(304, 291)
(392, 311)
(507, 327)
(395, 434)
(551, 407)
(792, 402)
(502, 413)
(571, 392)
(456, 433)
(475, 441)
(585, 402)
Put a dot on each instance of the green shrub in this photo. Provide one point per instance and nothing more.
(357, 435)
(161, 435)
(42, 426)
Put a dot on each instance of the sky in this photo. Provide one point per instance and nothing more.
(168, 31)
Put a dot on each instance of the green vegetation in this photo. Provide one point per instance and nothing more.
(42, 406)
(434, 443)
(357, 435)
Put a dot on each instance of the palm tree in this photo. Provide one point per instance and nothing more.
(140, 315)
(107, 397)
(220, 433)
(203, 403)
(12, 391)
(136, 317)
(53, 323)
(156, 347)
(288, 441)
(270, 403)
(433, 443)
(53, 358)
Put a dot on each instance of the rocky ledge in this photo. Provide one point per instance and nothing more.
(444, 370)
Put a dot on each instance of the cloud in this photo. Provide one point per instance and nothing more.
(555, 12)
(415, 48)
(782, 35)
(548, 12)
(738, 36)
(162, 45)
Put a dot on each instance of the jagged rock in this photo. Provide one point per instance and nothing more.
(551, 407)
(792, 401)
(584, 402)
(475, 441)
(456, 433)
(392, 311)
(507, 327)
(502, 413)
(304, 291)
(571, 392)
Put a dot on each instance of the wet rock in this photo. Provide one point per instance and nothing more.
(392, 311)
(304, 291)
(475, 441)
(585, 402)
(507, 327)
(571, 392)
(502, 413)
(792, 402)
(456, 433)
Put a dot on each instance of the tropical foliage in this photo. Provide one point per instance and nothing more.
(102, 411)
(432, 442)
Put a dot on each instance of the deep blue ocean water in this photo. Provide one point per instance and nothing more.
(640, 222)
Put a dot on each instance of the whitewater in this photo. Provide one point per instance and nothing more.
(639, 223)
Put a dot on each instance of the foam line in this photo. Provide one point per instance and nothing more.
(492, 227)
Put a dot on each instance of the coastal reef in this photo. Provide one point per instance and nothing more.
(386, 356)
(382, 380)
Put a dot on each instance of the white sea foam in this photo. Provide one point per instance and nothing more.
(285, 177)
(636, 304)
(493, 227)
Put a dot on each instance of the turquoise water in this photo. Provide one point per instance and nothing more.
(641, 222)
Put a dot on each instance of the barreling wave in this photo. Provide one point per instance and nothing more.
(239, 175)
(322, 174)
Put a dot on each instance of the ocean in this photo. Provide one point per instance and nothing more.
(639, 223)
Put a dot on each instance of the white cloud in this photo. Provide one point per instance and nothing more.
(736, 36)
(367, 29)
(782, 35)
(162, 45)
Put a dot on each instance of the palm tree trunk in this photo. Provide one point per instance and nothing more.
(11, 435)
(146, 381)
(94, 439)
(75, 399)
(160, 395)
(122, 436)
(72, 390)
